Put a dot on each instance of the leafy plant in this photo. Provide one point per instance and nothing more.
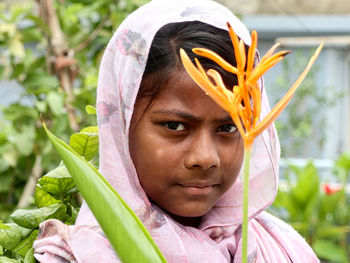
(318, 211)
(56, 80)
(125, 231)
(54, 198)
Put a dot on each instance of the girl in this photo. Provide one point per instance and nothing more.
(174, 155)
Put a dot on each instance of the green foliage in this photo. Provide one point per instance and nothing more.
(27, 59)
(57, 182)
(9, 238)
(125, 231)
(85, 142)
(31, 218)
(319, 212)
(54, 200)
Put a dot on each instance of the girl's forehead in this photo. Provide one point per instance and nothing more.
(180, 92)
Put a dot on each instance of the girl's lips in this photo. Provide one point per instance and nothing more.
(198, 189)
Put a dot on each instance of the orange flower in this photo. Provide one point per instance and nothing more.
(243, 103)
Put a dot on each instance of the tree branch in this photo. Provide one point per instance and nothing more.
(29, 188)
(60, 49)
(91, 37)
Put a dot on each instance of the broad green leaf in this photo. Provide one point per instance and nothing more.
(9, 260)
(26, 244)
(307, 185)
(123, 228)
(43, 198)
(3, 226)
(90, 110)
(39, 80)
(29, 258)
(1, 250)
(329, 203)
(57, 182)
(55, 102)
(329, 251)
(9, 238)
(284, 199)
(85, 142)
(31, 218)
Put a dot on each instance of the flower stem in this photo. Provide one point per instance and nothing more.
(247, 154)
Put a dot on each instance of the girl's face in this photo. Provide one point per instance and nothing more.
(186, 149)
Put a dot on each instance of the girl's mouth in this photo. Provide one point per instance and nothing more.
(198, 189)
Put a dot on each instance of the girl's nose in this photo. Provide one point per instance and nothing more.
(202, 152)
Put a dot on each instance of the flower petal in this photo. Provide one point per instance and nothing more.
(216, 58)
(203, 82)
(273, 114)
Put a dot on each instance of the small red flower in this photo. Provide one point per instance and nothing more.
(330, 189)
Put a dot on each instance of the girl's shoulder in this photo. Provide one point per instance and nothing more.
(287, 238)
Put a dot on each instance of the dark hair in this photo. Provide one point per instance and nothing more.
(164, 56)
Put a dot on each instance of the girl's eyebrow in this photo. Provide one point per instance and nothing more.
(188, 116)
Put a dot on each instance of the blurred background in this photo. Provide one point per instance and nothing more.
(50, 51)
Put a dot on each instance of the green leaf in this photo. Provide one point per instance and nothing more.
(16, 47)
(6, 180)
(27, 243)
(9, 238)
(10, 156)
(43, 198)
(329, 203)
(91, 110)
(41, 105)
(139, 2)
(73, 214)
(40, 24)
(55, 102)
(3, 226)
(57, 182)
(308, 184)
(31, 218)
(24, 140)
(123, 228)
(29, 258)
(85, 142)
(8, 260)
(329, 251)
(40, 80)
(21, 114)
(332, 232)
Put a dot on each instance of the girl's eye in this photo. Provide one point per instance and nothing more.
(229, 128)
(174, 126)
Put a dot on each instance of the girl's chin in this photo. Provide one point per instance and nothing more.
(189, 218)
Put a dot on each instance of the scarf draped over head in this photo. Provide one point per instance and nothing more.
(218, 238)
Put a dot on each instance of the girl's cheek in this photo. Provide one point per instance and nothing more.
(159, 153)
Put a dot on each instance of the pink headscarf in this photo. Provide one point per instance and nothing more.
(218, 238)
